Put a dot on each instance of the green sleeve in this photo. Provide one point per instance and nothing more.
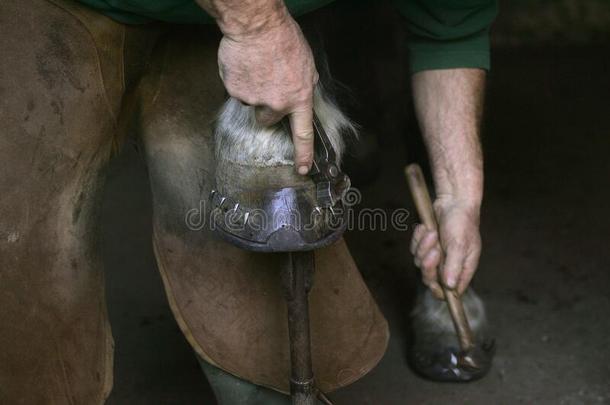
(446, 34)
(176, 11)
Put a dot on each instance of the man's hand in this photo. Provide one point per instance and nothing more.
(448, 104)
(460, 240)
(265, 61)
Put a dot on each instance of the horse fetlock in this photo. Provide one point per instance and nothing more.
(241, 139)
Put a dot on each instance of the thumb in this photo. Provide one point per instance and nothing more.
(452, 265)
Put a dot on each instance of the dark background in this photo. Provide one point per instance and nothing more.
(544, 272)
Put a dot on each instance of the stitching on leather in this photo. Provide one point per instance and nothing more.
(64, 373)
(122, 62)
(157, 91)
(108, 352)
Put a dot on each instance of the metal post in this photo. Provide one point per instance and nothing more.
(297, 275)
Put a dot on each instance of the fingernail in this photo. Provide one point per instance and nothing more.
(303, 170)
(451, 282)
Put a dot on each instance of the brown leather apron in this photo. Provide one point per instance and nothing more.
(70, 87)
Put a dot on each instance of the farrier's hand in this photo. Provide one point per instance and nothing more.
(271, 67)
(449, 105)
(461, 244)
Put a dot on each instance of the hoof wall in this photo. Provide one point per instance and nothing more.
(451, 365)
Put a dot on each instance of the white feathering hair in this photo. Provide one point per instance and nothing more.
(241, 139)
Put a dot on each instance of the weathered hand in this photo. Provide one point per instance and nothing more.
(273, 69)
(461, 246)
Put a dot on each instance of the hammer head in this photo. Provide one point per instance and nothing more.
(435, 351)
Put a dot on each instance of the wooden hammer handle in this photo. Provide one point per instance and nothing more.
(421, 197)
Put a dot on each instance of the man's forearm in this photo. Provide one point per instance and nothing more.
(245, 17)
(449, 106)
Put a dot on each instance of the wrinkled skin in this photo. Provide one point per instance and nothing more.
(265, 61)
(449, 106)
(460, 239)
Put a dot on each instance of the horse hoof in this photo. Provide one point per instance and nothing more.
(435, 350)
(449, 364)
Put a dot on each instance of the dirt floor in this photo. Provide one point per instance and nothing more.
(544, 274)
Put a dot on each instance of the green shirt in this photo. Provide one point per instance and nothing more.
(444, 34)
